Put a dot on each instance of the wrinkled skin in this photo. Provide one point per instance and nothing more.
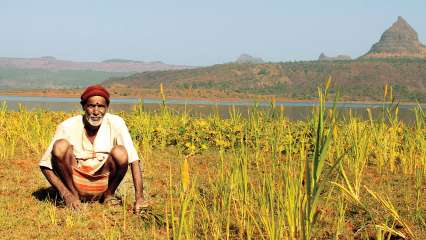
(94, 112)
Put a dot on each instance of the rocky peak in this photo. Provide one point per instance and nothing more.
(323, 57)
(245, 58)
(400, 40)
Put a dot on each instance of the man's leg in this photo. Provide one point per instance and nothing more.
(63, 161)
(116, 164)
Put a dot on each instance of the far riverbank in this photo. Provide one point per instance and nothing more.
(152, 96)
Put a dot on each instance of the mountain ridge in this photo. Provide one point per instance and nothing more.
(111, 65)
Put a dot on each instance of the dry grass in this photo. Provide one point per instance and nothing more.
(236, 178)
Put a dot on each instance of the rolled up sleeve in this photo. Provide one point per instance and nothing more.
(125, 139)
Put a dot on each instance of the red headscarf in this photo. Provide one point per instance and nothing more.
(95, 90)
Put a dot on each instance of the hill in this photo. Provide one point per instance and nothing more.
(246, 58)
(358, 79)
(400, 40)
(399, 58)
(19, 78)
(111, 65)
(323, 57)
(49, 72)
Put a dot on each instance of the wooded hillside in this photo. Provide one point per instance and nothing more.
(357, 79)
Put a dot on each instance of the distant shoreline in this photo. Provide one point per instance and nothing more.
(75, 93)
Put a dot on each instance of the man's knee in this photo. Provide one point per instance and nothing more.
(119, 155)
(60, 148)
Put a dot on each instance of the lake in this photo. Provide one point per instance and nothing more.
(293, 110)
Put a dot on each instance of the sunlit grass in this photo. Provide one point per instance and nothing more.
(255, 177)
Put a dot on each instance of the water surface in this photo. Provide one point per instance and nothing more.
(293, 110)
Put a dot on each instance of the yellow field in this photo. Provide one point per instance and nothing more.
(260, 177)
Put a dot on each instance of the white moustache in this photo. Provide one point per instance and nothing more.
(94, 121)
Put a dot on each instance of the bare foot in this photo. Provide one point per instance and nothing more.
(72, 201)
(111, 201)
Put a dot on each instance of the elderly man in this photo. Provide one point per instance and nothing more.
(89, 155)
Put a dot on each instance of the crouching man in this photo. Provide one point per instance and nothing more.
(89, 154)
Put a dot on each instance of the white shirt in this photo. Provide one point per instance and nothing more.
(113, 131)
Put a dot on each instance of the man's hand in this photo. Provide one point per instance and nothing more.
(140, 204)
(72, 201)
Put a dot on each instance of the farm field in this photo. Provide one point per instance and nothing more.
(258, 177)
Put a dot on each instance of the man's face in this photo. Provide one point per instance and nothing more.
(95, 109)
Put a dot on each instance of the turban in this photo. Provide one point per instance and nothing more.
(95, 90)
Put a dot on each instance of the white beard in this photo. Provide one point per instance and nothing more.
(94, 121)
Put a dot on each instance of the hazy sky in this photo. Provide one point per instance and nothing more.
(199, 32)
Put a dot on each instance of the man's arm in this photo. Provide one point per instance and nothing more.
(65, 193)
(138, 184)
(126, 140)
